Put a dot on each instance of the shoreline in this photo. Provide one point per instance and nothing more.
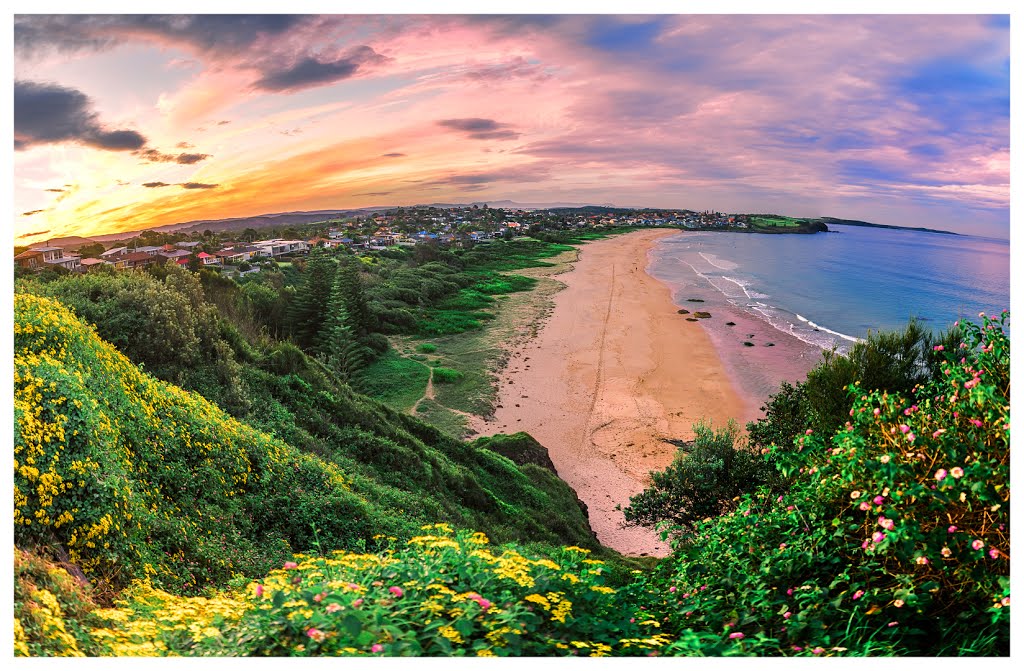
(613, 374)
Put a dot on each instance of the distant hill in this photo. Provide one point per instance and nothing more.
(69, 243)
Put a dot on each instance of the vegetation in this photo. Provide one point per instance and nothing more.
(193, 476)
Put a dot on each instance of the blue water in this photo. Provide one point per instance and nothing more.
(831, 289)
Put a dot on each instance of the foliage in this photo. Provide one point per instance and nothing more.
(440, 594)
(446, 375)
(892, 539)
(426, 348)
(701, 481)
(394, 380)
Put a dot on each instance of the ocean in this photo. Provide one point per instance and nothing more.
(830, 289)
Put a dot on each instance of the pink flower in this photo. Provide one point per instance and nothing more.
(977, 544)
(878, 537)
(858, 594)
(787, 615)
(886, 523)
(319, 597)
(940, 474)
(884, 458)
(879, 500)
(809, 432)
(672, 588)
(377, 647)
(946, 552)
(904, 428)
(911, 437)
(898, 603)
(956, 472)
(994, 553)
(333, 607)
(789, 591)
(259, 590)
(877, 412)
(952, 528)
(397, 591)
(782, 546)
(865, 506)
(892, 624)
(938, 433)
(922, 560)
(315, 634)
(736, 634)
(977, 422)
(357, 603)
(483, 603)
(290, 564)
(797, 648)
(818, 651)
(938, 348)
(1005, 601)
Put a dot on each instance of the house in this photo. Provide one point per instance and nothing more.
(89, 264)
(276, 247)
(151, 250)
(187, 245)
(54, 256)
(29, 259)
(114, 251)
(208, 259)
(134, 260)
(173, 254)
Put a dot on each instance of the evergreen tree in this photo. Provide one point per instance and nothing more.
(338, 344)
(354, 298)
(309, 309)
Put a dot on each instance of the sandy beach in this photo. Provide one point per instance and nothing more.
(612, 375)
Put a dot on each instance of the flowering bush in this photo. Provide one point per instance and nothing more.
(442, 593)
(892, 539)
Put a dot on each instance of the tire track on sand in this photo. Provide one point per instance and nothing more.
(588, 433)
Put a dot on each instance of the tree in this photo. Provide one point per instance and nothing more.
(339, 346)
(309, 308)
(353, 296)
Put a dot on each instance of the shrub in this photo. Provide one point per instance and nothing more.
(446, 375)
(441, 594)
(893, 538)
(426, 348)
(702, 479)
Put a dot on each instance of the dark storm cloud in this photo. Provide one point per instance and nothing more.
(480, 129)
(310, 71)
(46, 113)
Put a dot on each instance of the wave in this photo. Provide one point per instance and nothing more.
(725, 264)
(828, 330)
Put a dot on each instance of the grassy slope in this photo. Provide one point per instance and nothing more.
(129, 476)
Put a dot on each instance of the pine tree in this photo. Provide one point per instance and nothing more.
(338, 344)
(354, 297)
(308, 311)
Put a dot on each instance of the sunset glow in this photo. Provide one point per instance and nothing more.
(129, 122)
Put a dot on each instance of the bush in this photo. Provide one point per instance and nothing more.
(893, 538)
(446, 375)
(426, 348)
(701, 481)
(441, 594)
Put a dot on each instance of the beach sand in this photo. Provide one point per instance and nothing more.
(612, 375)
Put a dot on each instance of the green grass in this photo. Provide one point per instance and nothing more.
(438, 416)
(774, 222)
(394, 380)
(426, 348)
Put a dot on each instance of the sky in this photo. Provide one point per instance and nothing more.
(125, 122)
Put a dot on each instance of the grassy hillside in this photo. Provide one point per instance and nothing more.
(130, 477)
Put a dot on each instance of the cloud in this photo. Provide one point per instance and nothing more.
(154, 185)
(157, 156)
(394, 154)
(47, 113)
(223, 123)
(184, 145)
(33, 234)
(31, 212)
(55, 190)
(226, 33)
(197, 185)
(480, 129)
(310, 71)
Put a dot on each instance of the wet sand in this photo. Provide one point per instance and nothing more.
(612, 375)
